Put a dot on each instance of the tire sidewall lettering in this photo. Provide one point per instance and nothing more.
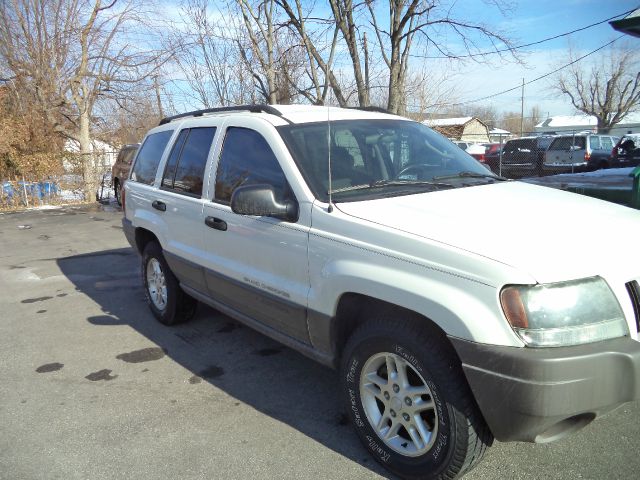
(440, 449)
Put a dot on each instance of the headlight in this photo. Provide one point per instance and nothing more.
(565, 313)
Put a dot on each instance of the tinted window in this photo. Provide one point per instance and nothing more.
(522, 145)
(193, 160)
(172, 163)
(247, 159)
(544, 142)
(144, 170)
(565, 143)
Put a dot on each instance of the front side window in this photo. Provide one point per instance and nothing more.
(377, 158)
(247, 159)
(144, 170)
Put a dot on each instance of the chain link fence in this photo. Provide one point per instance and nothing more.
(72, 178)
(536, 154)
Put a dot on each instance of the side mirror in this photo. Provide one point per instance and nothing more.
(260, 200)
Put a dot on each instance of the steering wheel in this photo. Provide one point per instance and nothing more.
(418, 168)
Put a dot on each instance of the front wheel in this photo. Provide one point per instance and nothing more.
(167, 301)
(409, 401)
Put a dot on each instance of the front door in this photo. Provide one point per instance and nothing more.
(255, 265)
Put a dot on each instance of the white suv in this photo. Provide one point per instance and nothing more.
(459, 307)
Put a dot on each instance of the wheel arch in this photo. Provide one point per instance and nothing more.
(354, 309)
(143, 237)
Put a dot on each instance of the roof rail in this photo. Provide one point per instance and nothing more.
(238, 108)
(371, 109)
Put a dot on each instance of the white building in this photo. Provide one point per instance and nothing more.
(105, 155)
(587, 123)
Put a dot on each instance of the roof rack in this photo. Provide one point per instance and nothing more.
(371, 109)
(238, 108)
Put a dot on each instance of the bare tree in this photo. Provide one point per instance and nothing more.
(208, 56)
(65, 55)
(258, 20)
(343, 17)
(423, 22)
(608, 89)
(298, 22)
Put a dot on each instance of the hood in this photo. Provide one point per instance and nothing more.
(550, 234)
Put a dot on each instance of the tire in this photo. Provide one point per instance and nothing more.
(118, 192)
(435, 428)
(168, 302)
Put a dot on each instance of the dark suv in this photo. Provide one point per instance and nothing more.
(120, 169)
(524, 156)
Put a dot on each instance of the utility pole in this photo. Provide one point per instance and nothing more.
(522, 109)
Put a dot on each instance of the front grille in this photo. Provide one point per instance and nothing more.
(634, 292)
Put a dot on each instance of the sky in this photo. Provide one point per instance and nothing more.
(529, 22)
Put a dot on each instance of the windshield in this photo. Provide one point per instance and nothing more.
(379, 158)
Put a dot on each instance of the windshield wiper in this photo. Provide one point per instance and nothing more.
(467, 174)
(393, 183)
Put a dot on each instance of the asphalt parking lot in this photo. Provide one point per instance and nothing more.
(94, 388)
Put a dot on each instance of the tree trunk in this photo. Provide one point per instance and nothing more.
(89, 170)
(394, 103)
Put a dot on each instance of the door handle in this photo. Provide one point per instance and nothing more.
(216, 223)
(158, 205)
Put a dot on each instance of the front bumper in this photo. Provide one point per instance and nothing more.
(541, 395)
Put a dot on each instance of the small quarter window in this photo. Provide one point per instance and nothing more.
(144, 170)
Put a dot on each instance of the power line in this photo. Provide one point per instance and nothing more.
(541, 76)
(518, 47)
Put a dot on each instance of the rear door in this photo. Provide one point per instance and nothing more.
(565, 151)
(256, 266)
(179, 201)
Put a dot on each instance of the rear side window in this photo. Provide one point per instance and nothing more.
(524, 145)
(185, 168)
(247, 159)
(606, 143)
(544, 142)
(565, 143)
(129, 155)
(595, 143)
(144, 170)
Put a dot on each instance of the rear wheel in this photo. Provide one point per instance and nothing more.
(166, 299)
(409, 401)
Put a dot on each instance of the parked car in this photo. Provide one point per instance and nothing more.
(120, 169)
(492, 156)
(450, 325)
(476, 150)
(524, 156)
(461, 144)
(626, 152)
(579, 153)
